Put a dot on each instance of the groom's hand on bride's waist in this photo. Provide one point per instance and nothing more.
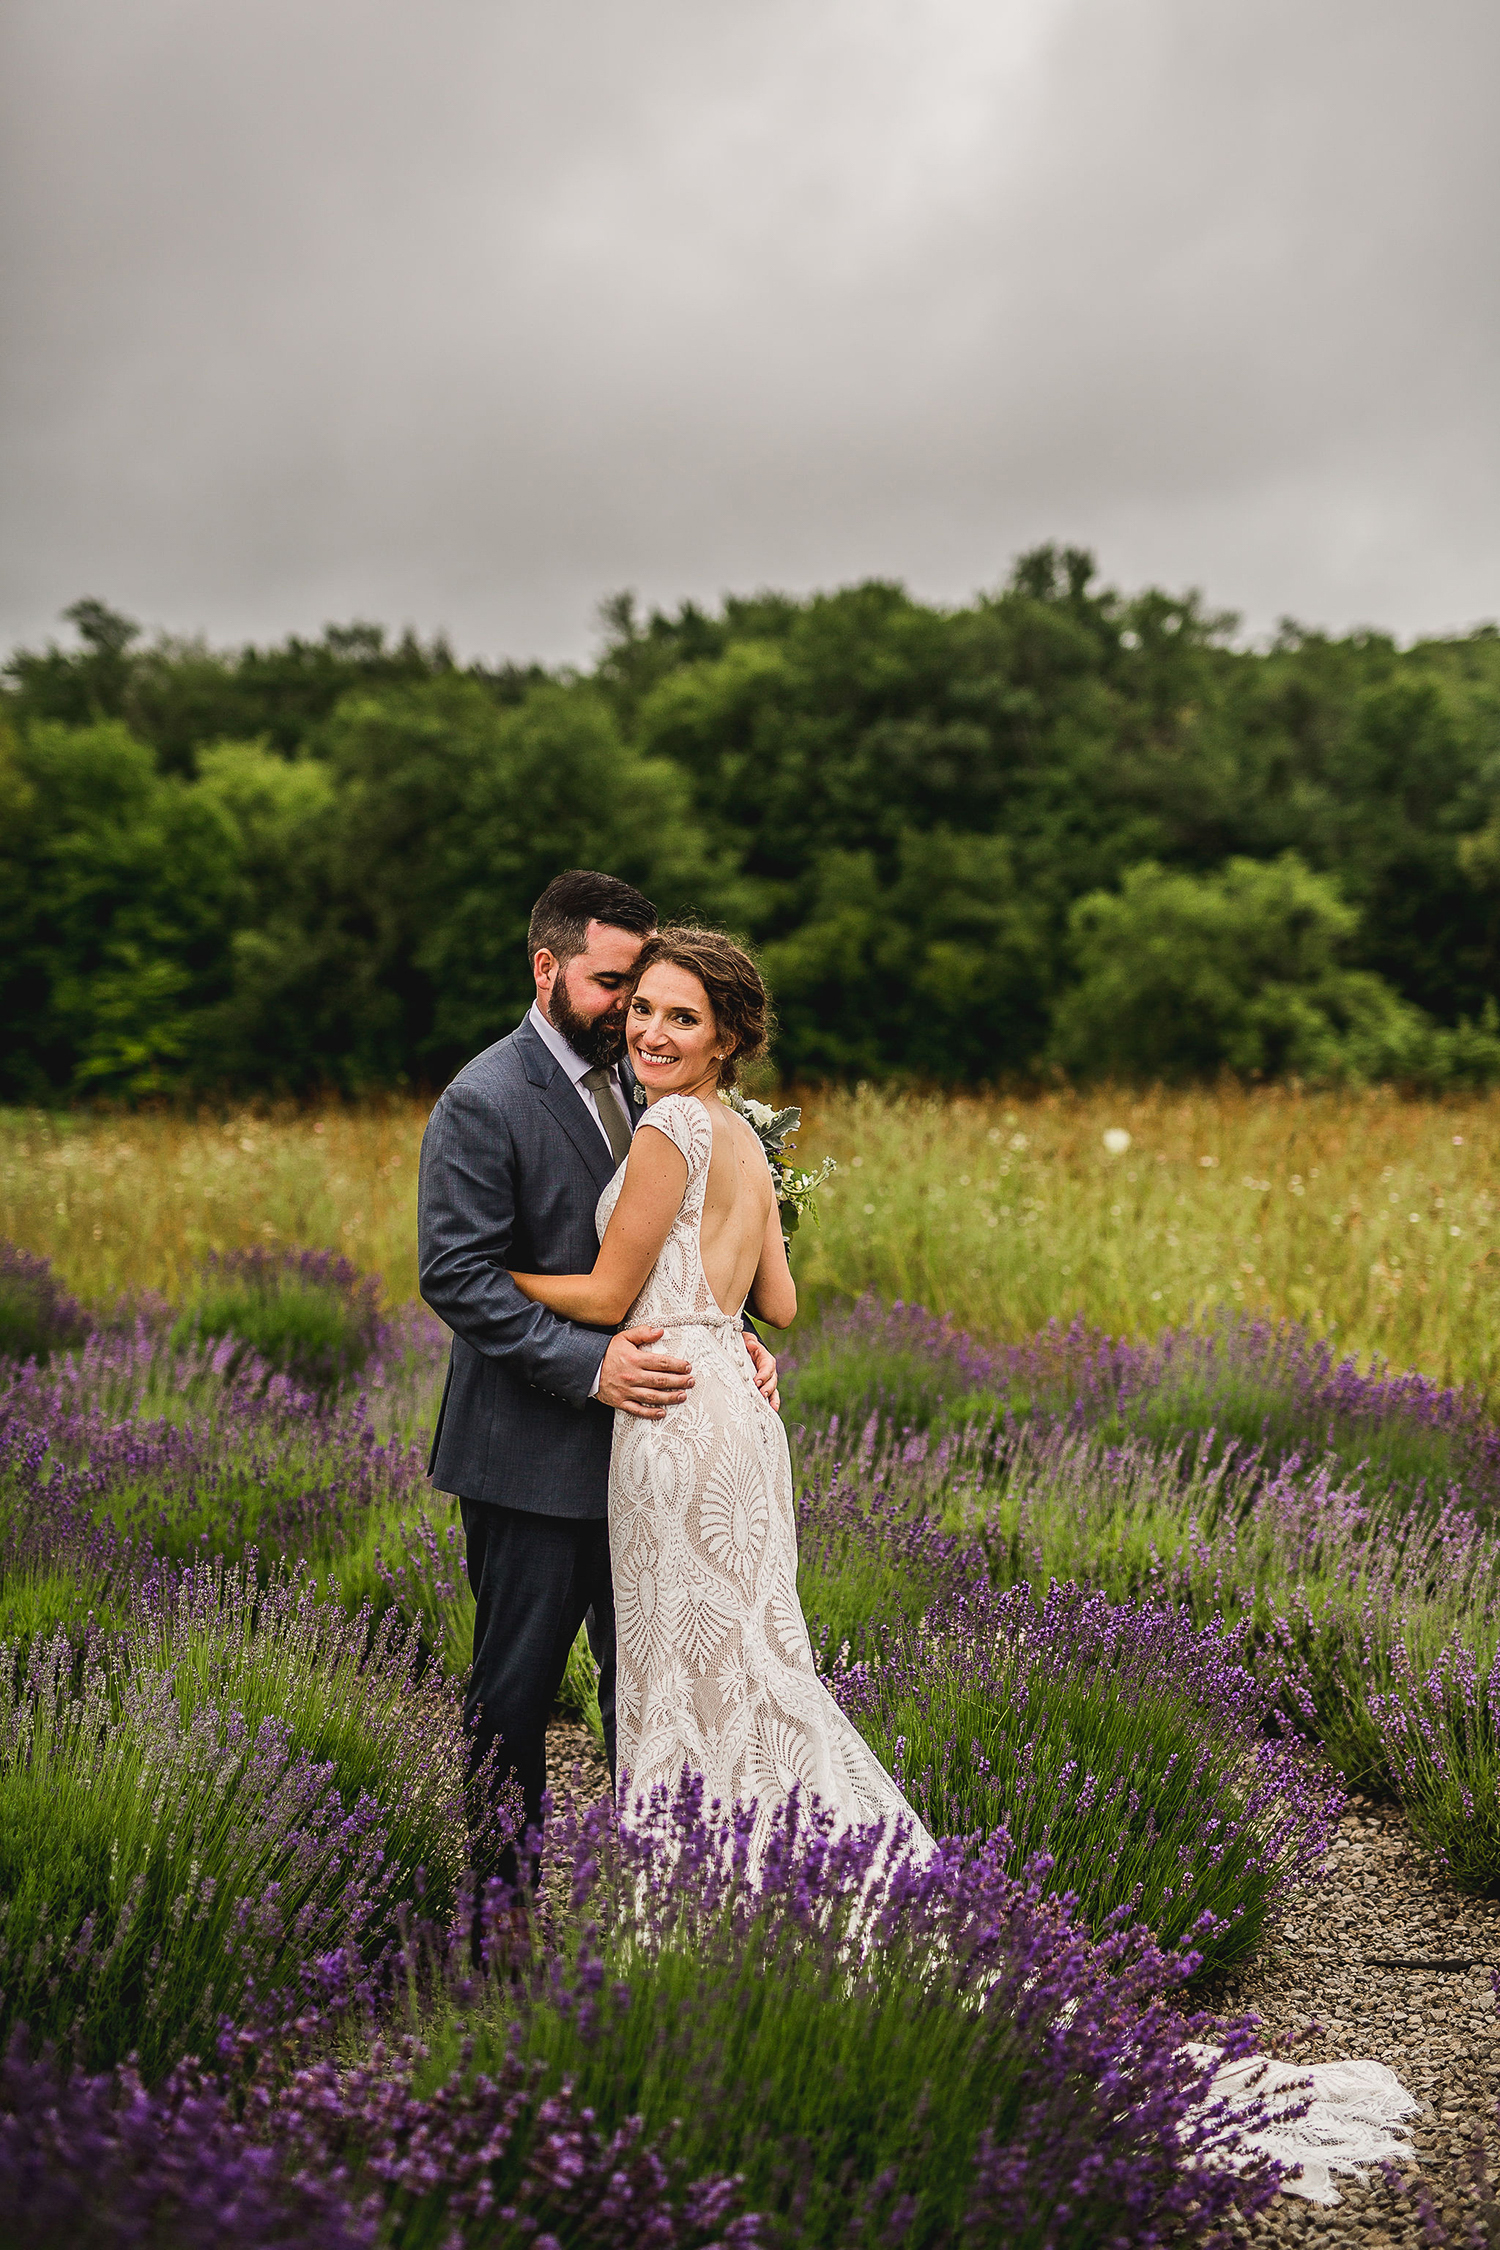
(640, 1380)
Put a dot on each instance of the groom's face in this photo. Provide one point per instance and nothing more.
(585, 997)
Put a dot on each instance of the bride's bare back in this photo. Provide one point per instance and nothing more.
(737, 1206)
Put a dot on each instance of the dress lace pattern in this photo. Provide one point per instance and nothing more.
(1354, 2115)
(714, 1666)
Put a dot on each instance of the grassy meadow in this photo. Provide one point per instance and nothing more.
(1368, 1218)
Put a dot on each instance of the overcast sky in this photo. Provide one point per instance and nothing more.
(462, 313)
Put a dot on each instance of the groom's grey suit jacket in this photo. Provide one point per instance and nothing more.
(512, 1167)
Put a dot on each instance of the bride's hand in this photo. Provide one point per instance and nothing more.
(765, 1369)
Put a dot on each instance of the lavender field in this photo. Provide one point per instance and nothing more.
(1128, 1620)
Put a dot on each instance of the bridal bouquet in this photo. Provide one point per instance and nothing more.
(776, 1129)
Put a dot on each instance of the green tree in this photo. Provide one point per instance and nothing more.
(940, 973)
(122, 888)
(1245, 970)
(557, 787)
(903, 805)
(395, 874)
(80, 687)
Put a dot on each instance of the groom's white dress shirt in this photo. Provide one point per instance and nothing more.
(575, 1066)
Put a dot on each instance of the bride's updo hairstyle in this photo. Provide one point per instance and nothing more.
(736, 991)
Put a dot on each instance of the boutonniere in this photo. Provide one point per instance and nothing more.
(775, 1129)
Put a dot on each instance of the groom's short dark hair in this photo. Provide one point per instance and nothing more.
(561, 916)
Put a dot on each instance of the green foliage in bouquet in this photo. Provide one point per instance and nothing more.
(776, 1130)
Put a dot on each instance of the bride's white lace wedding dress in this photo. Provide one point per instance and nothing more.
(714, 1667)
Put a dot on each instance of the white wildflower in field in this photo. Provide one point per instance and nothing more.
(1116, 1140)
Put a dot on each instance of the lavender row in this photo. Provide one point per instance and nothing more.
(129, 1455)
(1373, 1623)
(1266, 1385)
(309, 1314)
(936, 2053)
(1134, 1751)
(245, 1780)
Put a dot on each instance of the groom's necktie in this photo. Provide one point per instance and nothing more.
(600, 1082)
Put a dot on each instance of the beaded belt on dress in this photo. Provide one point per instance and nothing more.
(694, 1319)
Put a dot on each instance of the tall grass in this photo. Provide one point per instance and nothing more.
(1371, 1218)
(136, 1201)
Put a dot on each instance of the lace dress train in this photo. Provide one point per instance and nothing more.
(1354, 2116)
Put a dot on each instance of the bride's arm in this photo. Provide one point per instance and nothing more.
(773, 1293)
(650, 1198)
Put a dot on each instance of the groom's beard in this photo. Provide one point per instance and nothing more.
(599, 1039)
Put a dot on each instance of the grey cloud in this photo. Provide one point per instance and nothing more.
(465, 314)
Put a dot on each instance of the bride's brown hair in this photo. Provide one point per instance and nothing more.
(734, 985)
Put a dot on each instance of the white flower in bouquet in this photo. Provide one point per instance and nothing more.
(776, 1129)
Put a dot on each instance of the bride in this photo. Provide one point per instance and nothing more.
(714, 1665)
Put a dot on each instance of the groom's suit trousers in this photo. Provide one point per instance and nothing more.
(535, 1580)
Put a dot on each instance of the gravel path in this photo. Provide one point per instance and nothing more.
(1384, 1900)
(575, 1762)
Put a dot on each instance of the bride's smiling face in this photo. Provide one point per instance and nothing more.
(674, 1042)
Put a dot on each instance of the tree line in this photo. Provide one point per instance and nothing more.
(1062, 827)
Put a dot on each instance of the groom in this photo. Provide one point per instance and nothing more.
(514, 1159)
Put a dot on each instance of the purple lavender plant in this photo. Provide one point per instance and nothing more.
(128, 1455)
(1264, 1384)
(494, 2157)
(308, 1313)
(934, 2050)
(420, 1569)
(1328, 1583)
(1130, 1748)
(155, 1871)
(401, 1384)
(102, 2161)
(356, 1695)
(336, 2159)
(249, 1776)
(1440, 1730)
(886, 2050)
(867, 1555)
(37, 1316)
